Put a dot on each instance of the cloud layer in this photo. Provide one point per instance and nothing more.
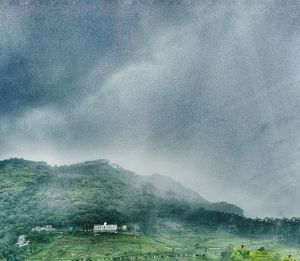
(206, 92)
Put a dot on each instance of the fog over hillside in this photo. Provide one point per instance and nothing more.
(206, 92)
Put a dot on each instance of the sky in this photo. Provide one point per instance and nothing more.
(206, 92)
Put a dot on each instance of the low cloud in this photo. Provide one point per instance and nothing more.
(206, 92)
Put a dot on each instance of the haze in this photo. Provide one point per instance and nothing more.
(206, 92)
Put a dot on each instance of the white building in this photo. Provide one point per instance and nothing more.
(105, 228)
(22, 241)
(47, 228)
(124, 228)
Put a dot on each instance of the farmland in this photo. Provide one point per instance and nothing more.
(179, 245)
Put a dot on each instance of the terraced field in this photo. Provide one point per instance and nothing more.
(100, 247)
(208, 245)
(180, 245)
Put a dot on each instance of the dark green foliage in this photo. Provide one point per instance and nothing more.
(39, 237)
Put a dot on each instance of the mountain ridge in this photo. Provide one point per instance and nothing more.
(163, 186)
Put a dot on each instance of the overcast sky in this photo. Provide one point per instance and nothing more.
(206, 92)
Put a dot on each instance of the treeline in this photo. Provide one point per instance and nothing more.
(281, 229)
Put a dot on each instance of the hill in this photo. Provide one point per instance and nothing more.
(80, 195)
(94, 190)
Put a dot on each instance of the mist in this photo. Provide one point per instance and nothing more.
(205, 92)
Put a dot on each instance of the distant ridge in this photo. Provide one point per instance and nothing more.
(169, 187)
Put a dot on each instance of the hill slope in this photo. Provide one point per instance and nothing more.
(80, 195)
(90, 186)
(168, 188)
(101, 247)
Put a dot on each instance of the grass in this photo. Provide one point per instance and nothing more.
(177, 245)
(100, 247)
(214, 245)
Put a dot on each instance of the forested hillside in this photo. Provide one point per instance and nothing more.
(35, 193)
(80, 195)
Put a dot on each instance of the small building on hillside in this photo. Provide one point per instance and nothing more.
(22, 241)
(46, 228)
(105, 228)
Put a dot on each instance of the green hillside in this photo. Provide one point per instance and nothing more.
(80, 195)
(35, 193)
(101, 247)
(75, 197)
(179, 244)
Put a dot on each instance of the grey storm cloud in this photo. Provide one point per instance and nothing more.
(204, 91)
